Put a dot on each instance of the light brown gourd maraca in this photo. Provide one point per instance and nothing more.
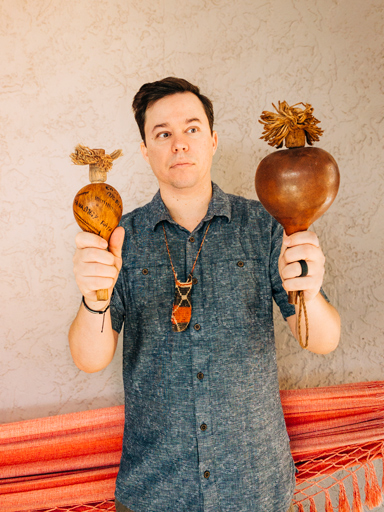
(97, 207)
(295, 185)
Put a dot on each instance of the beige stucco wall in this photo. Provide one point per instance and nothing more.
(68, 72)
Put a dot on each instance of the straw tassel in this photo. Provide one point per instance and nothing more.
(313, 505)
(373, 496)
(343, 500)
(328, 502)
(357, 505)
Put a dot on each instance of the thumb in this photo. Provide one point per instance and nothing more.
(116, 241)
(284, 244)
(286, 239)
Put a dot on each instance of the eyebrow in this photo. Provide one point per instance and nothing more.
(161, 125)
(187, 121)
(192, 120)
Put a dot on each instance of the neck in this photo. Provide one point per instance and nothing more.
(187, 207)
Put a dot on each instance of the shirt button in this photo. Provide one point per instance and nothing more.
(206, 474)
(145, 271)
(240, 264)
(197, 327)
(194, 280)
(192, 239)
(203, 427)
(200, 375)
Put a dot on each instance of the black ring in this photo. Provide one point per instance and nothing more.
(304, 268)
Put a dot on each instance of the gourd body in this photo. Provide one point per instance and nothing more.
(296, 186)
(98, 209)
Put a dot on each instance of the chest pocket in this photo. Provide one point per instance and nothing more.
(242, 293)
(151, 291)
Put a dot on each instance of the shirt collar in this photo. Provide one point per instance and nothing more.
(219, 206)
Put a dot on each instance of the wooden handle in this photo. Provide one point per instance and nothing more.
(102, 294)
(292, 297)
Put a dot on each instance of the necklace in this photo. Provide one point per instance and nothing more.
(182, 305)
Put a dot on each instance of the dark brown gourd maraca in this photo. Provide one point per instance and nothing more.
(295, 185)
(97, 207)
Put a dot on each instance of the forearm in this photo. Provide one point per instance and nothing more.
(91, 349)
(323, 325)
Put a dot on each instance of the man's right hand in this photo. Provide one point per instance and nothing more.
(94, 267)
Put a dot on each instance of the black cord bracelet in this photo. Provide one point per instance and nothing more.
(99, 312)
(102, 312)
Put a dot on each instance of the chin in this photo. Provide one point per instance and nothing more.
(183, 183)
(184, 180)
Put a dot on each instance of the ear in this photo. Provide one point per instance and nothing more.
(215, 141)
(144, 151)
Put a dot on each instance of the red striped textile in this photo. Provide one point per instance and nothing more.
(60, 460)
(70, 462)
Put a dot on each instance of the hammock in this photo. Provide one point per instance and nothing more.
(70, 462)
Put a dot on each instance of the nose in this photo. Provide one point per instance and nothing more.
(179, 144)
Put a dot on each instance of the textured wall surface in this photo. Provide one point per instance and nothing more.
(69, 71)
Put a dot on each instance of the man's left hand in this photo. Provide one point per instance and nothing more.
(303, 245)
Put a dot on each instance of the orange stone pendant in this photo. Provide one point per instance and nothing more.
(182, 306)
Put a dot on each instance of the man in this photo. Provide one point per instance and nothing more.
(194, 273)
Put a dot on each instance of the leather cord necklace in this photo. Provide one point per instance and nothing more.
(182, 305)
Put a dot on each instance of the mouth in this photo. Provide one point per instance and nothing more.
(181, 165)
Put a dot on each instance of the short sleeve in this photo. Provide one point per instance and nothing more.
(117, 306)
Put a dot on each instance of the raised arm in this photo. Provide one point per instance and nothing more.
(91, 338)
(323, 319)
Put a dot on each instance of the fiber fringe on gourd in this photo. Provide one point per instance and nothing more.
(288, 119)
(85, 156)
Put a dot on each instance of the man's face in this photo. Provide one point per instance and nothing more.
(179, 144)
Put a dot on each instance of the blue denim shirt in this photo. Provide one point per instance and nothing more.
(204, 427)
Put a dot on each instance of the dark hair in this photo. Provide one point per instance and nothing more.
(153, 91)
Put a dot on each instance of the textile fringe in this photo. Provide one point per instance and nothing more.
(357, 505)
(300, 507)
(328, 502)
(313, 505)
(85, 156)
(382, 458)
(372, 489)
(343, 500)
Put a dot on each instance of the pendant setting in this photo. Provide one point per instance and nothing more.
(182, 305)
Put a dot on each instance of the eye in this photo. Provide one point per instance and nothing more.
(192, 130)
(163, 135)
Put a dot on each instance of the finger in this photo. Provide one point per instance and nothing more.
(99, 270)
(92, 255)
(301, 238)
(283, 247)
(301, 283)
(84, 240)
(89, 285)
(294, 270)
(286, 239)
(303, 252)
(116, 241)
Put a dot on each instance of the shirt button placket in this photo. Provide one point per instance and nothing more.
(203, 421)
(200, 362)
